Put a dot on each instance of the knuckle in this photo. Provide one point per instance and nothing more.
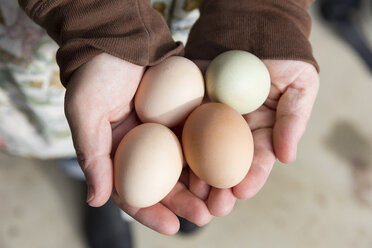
(82, 160)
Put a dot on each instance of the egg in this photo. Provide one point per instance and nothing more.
(218, 145)
(169, 91)
(238, 79)
(147, 164)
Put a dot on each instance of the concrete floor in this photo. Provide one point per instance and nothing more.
(324, 199)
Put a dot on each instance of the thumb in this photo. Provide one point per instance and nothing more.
(99, 93)
(293, 113)
(92, 137)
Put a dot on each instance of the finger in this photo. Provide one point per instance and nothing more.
(121, 128)
(92, 141)
(184, 204)
(221, 201)
(263, 161)
(157, 217)
(93, 99)
(91, 135)
(293, 113)
(261, 118)
(198, 187)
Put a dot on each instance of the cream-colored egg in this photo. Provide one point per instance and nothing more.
(238, 79)
(218, 145)
(169, 91)
(147, 164)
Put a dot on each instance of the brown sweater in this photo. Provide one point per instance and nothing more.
(133, 31)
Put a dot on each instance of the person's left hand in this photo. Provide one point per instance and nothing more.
(277, 127)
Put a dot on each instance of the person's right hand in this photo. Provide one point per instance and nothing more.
(277, 127)
(99, 109)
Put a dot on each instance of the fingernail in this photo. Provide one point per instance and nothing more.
(90, 194)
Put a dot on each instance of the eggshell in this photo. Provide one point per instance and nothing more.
(169, 91)
(147, 164)
(238, 79)
(218, 145)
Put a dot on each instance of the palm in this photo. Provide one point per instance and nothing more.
(276, 126)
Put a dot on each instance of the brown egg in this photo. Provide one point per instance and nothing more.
(147, 164)
(169, 91)
(218, 145)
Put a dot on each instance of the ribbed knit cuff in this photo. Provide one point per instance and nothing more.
(270, 29)
(128, 29)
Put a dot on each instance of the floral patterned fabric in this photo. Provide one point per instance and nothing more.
(32, 121)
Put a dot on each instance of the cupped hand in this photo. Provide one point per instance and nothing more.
(277, 127)
(99, 109)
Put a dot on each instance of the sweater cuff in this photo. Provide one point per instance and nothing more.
(270, 29)
(128, 29)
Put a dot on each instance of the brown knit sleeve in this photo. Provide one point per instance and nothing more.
(270, 29)
(128, 29)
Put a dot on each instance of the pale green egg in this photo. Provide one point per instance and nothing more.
(238, 79)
